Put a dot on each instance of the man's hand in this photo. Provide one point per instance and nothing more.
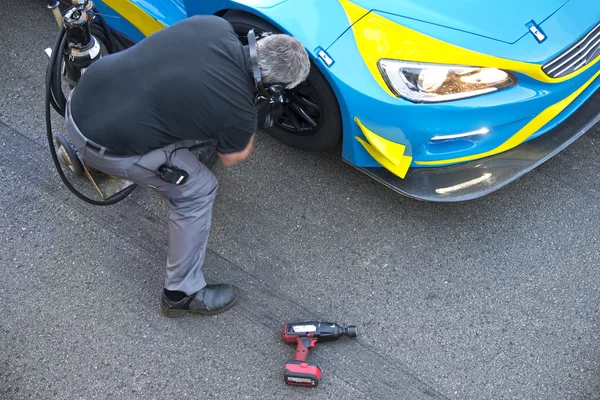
(234, 158)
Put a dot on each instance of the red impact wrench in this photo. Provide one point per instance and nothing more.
(306, 335)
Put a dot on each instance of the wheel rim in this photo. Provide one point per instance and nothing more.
(65, 159)
(302, 114)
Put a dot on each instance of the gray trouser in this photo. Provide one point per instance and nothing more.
(191, 203)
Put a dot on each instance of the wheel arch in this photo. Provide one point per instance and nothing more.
(253, 12)
(318, 67)
(321, 25)
(311, 44)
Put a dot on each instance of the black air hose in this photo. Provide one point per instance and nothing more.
(56, 98)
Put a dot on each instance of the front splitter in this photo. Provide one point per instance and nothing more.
(470, 180)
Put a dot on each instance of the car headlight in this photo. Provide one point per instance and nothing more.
(425, 82)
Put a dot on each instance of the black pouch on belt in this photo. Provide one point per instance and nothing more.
(171, 174)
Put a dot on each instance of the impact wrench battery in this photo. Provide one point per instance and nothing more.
(306, 335)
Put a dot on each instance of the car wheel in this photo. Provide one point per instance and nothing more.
(67, 155)
(311, 120)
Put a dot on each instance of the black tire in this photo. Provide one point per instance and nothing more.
(315, 91)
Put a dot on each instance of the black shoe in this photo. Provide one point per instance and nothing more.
(210, 300)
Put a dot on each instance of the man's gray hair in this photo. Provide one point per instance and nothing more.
(282, 59)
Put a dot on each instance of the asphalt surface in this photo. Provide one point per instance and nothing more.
(491, 299)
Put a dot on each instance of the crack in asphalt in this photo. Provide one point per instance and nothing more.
(37, 173)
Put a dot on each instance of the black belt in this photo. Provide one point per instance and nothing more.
(102, 150)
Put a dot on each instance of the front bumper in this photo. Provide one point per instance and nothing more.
(478, 178)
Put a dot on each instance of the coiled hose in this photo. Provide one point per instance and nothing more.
(55, 98)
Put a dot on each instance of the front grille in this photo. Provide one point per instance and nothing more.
(575, 56)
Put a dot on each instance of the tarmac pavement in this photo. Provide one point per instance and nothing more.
(495, 298)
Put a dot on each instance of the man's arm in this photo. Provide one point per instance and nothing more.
(234, 158)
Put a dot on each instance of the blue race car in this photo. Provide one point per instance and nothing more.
(441, 101)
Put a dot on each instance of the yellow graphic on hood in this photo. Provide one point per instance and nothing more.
(377, 37)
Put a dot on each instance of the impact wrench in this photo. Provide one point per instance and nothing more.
(306, 335)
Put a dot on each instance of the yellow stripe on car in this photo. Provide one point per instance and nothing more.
(353, 11)
(139, 18)
(533, 126)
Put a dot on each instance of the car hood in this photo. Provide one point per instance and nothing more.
(502, 20)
